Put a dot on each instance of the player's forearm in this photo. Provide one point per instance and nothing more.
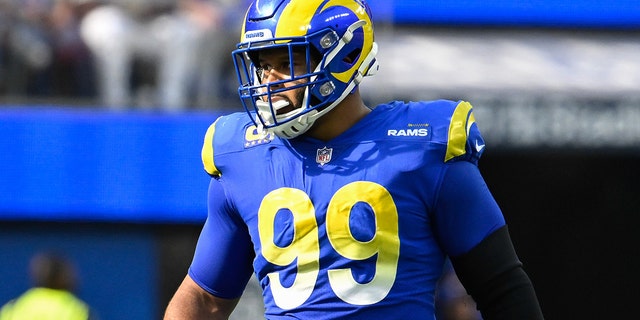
(191, 302)
(184, 307)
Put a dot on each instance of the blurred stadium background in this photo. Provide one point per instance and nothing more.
(555, 86)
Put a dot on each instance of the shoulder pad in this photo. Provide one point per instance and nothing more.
(230, 134)
(464, 139)
(207, 151)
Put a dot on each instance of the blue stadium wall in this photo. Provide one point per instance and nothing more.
(71, 164)
(107, 189)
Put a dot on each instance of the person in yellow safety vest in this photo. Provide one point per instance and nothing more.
(52, 296)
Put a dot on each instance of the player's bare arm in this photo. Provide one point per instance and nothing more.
(192, 302)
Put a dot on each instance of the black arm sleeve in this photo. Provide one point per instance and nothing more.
(492, 274)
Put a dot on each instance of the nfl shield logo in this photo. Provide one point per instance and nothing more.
(324, 155)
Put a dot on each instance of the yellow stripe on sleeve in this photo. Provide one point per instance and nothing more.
(207, 151)
(459, 127)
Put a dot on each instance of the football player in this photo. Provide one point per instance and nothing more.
(342, 210)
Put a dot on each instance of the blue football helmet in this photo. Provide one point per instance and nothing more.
(336, 36)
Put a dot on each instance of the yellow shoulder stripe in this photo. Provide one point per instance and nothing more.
(461, 122)
(207, 151)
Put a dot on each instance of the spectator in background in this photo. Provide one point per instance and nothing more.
(54, 279)
(4, 27)
(72, 65)
(41, 53)
(27, 47)
(181, 40)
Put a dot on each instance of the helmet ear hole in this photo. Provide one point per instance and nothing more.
(314, 100)
(315, 55)
(352, 56)
(253, 56)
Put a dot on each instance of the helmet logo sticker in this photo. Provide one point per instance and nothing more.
(323, 156)
(257, 35)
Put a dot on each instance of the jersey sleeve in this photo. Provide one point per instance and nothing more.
(207, 151)
(222, 263)
(465, 211)
(464, 141)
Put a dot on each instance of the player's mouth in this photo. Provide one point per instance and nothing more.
(283, 109)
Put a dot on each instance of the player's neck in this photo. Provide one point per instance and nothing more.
(340, 119)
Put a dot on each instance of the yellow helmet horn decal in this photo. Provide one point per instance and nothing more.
(294, 24)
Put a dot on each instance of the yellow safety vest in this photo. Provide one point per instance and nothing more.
(45, 304)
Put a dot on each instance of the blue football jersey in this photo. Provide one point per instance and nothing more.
(353, 228)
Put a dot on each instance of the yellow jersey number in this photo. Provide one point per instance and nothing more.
(304, 249)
